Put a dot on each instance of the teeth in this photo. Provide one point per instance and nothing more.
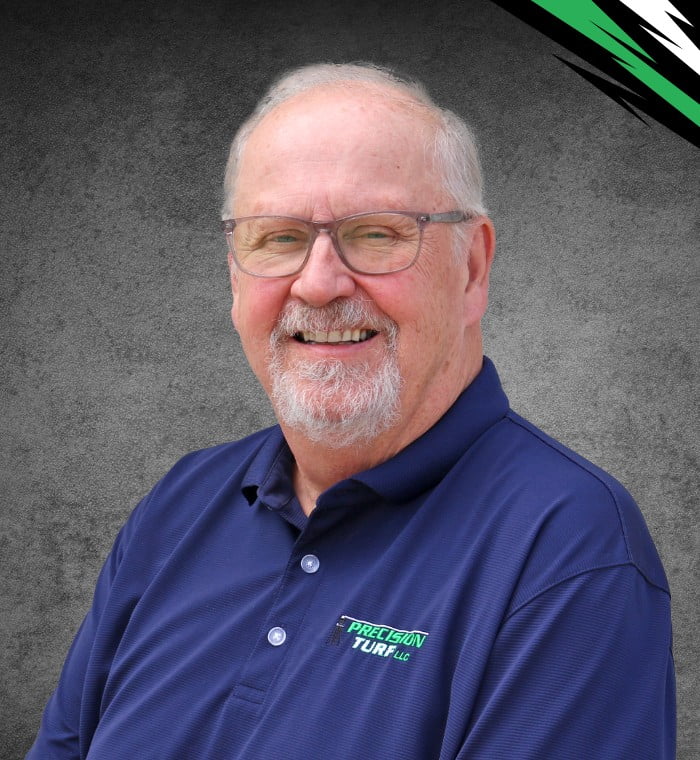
(335, 336)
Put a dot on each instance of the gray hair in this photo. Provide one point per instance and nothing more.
(454, 147)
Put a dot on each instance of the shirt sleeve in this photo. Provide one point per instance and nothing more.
(582, 670)
(62, 732)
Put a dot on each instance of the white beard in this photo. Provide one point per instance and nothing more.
(328, 400)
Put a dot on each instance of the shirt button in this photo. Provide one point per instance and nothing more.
(310, 563)
(276, 636)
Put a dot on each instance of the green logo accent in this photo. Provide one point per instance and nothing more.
(378, 640)
(587, 18)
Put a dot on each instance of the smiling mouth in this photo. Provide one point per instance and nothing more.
(334, 336)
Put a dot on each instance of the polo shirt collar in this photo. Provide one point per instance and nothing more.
(427, 460)
(414, 469)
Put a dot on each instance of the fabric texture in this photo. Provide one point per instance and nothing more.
(486, 593)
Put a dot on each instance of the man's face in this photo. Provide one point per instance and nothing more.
(397, 343)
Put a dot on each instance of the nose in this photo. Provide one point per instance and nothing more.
(324, 276)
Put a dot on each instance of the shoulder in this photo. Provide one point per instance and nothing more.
(208, 468)
(570, 516)
(197, 481)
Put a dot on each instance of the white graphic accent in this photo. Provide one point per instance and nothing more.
(378, 625)
(658, 14)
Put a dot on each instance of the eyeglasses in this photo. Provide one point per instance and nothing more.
(378, 242)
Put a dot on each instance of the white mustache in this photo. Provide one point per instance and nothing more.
(341, 314)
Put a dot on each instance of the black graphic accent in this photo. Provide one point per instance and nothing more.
(625, 88)
(337, 631)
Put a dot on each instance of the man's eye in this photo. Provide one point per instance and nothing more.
(372, 233)
(283, 237)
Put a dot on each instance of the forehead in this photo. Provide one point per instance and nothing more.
(343, 146)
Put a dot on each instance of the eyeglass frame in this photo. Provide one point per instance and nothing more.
(331, 227)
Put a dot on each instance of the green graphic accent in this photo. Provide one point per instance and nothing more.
(387, 634)
(587, 18)
(378, 640)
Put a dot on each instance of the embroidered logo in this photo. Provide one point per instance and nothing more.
(375, 639)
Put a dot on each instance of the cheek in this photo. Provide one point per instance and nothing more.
(443, 282)
(434, 286)
(256, 307)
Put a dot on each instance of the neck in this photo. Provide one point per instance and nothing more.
(319, 466)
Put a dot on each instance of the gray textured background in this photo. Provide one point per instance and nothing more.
(117, 352)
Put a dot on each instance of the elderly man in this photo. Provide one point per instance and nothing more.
(404, 567)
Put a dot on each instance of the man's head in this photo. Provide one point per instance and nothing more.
(452, 149)
(349, 357)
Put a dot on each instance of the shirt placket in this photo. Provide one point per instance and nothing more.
(281, 629)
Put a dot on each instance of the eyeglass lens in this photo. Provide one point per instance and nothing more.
(370, 243)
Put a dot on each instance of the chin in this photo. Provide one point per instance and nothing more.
(336, 404)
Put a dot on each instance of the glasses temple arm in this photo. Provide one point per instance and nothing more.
(448, 216)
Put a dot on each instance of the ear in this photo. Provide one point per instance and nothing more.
(481, 251)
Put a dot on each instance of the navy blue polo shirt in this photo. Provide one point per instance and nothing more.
(484, 594)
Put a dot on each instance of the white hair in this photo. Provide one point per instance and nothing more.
(454, 147)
